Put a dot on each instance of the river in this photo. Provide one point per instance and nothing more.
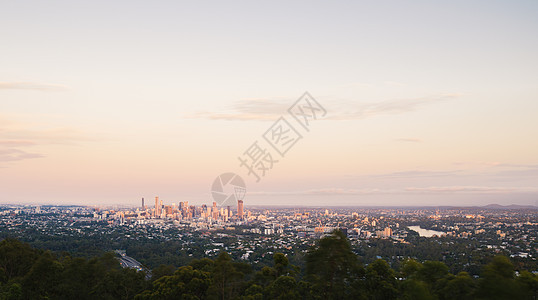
(426, 232)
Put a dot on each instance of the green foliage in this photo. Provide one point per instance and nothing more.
(16, 259)
(185, 283)
(282, 265)
(284, 287)
(529, 283)
(431, 272)
(498, 281)
(332, 272)
(381, 280)
(227, 277)
(120, 284)
(161, 271)
(11, 291)
(333, 269)
(33, 274)
(457, 287)
(253, 292)
(43, 278)
(413, 289)
(410, 268)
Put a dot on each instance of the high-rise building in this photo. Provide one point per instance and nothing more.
(215, 211)
(143, 207)
(240, 209)
(168, 210)
(192, 211)
(157, 207)
(208, 212)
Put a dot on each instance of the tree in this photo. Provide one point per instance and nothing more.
(16, 259)
(410, 268)
(381, 280)
(529, 283)
(498, 280)
(43, 278)
(413, 289)
(204, 264)
(120, 284)
(461, 286)
(78, 278)
(185, 283)
(284, 287)
(265, 276)
(162, 270)
(431, 272)
(11, 291)
(227, 277)
(253, 292)
(333, 268)
(282, 265)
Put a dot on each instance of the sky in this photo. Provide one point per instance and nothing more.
(427, 102)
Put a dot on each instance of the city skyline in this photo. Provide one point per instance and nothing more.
(426, 103)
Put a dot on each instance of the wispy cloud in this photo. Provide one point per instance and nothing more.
(248, 110)
(16, 135)
(16, 154)
(479, 163)
(322, 191)
(395, 84)
(399, 191)
(16, 143)
(471, 189)
(36, 86)
(418, 174)
(360, 85)
(271, 109)
(29, 136)
(505, 171)
(365, 110)
(528, 171)
(410, 140)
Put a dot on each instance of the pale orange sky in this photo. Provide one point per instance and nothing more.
(427, 103)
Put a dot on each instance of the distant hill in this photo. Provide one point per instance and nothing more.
(511, 206)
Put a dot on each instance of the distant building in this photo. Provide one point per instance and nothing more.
(156, 211)
(215, 211)
(387, 232)
(240, 209)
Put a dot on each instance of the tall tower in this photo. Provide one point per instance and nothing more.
(215, 211)
(208, 212)
(240, 209)
(157, 208)
(143, 207)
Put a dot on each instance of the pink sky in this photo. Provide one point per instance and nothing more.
(106, 103)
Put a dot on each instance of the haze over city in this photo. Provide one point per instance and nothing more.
(426, 103)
